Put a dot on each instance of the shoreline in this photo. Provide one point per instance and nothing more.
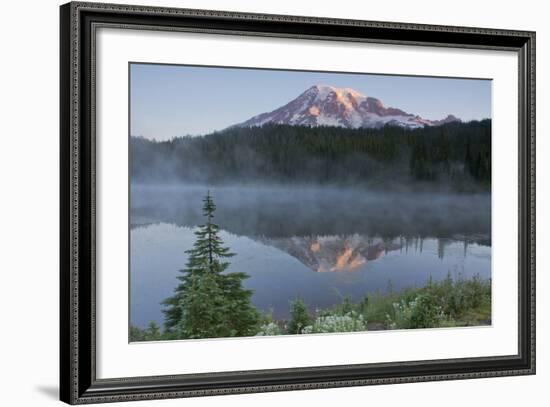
(446, 303)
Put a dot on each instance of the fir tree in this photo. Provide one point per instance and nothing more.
(468, 166)
(299, 317)
(208, 303)
(152, 333)
(136, 334)
(321, 155)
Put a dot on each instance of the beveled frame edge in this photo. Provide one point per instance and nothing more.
(78, 383)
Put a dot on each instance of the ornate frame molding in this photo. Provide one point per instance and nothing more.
(79, 21)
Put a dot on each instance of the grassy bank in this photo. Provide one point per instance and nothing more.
(447, 303)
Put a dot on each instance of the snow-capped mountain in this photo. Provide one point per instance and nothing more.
(323, 105)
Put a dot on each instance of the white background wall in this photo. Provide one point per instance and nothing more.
(29, 163)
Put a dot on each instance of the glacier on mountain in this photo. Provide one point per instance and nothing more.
(324, 105)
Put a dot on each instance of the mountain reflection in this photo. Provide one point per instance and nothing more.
(333, 253)
(320, 269)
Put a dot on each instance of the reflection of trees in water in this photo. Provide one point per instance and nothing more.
(347, 253)
(350, 252)
(283, 212)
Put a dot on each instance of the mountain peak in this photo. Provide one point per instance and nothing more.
(345, 96)
(326, 105)
(324, 90)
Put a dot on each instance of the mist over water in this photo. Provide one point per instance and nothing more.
(279, 211)
(317, 243)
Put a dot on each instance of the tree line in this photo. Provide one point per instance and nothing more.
(454, 152)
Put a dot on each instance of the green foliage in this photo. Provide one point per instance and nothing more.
(347, 306)
(151, 333)
(270, 329)
(241, 317)
(478, 163)
(422, 312)
(454, 153)
(299, 317)
(364, 304)
(463, 299)
(350, 322)
(208, 303)
(202, 308)
(460, 302)
(136, 334)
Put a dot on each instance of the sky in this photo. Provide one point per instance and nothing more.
(168, 101)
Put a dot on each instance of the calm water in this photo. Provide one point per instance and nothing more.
(319, 244)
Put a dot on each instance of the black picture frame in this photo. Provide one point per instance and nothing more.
(78, 382)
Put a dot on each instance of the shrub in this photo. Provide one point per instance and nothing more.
(460, 297)
(270, 329)
(350, 322)
(151, 333)
(136, 334)
(299, 317)
(422, 312)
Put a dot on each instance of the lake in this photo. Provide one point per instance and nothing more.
(321, 244)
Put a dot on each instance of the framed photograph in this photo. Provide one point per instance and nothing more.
(255, 203)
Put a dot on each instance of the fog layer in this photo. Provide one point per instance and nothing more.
(276, 211)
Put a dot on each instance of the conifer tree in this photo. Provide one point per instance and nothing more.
(152, 333)
(299, 317)
(208, 303)
(323, 155)
(468, 166)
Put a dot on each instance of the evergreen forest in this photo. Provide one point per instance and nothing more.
(455, 156)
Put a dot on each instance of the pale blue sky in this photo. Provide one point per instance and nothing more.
(172, 100)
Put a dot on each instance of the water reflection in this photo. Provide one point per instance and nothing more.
(282, 212)
(320, 244)
(283, 269)
(333, 253)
